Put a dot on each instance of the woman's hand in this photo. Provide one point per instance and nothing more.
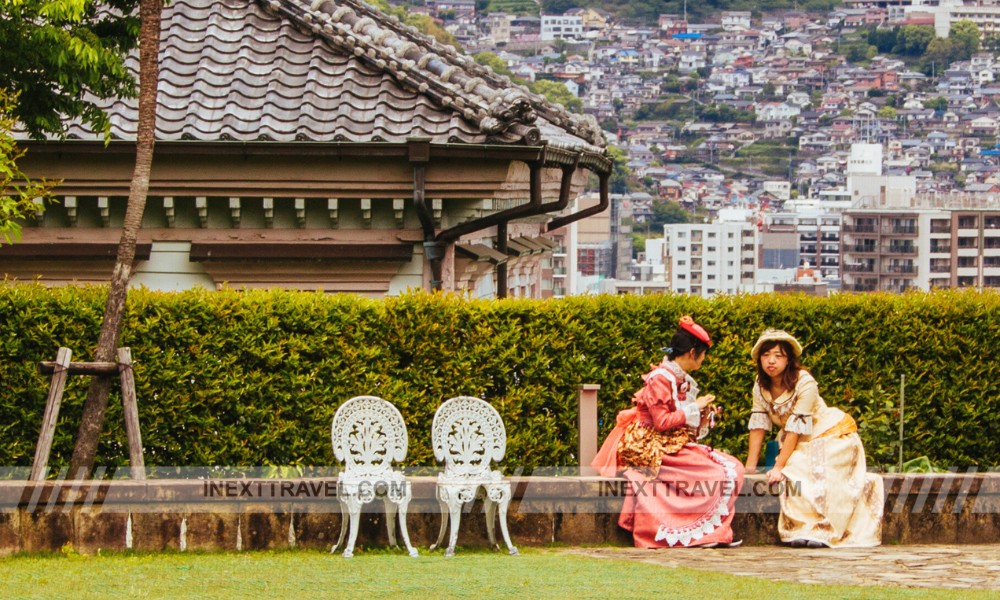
(775, 475)
(703, 401)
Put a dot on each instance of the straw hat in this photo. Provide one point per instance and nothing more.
(775, 335)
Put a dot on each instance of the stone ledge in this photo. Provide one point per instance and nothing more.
(277, 513)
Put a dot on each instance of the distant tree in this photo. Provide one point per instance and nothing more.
(666, 212)
(767, 90)
(939, 103)
(621, 175)
(887, 112)
(557, 7)
(964, 36)
(494, 62)
(429, 26)
(883, 38)
(558, 93)
(937, 56)
(912, 40)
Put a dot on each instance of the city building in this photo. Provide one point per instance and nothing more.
(561, 27)
(712, 258)
(937, 242)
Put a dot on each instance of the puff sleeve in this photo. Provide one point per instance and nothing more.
(806, 394)
(665, 412)
(759, 417)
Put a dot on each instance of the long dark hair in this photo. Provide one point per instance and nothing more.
(791, 375)
(683, 342)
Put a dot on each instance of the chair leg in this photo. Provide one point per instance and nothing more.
(390, 520)
(454, 520)
(444, 522)
(504, 503)
(490, 508)
(344, 518)
(403, 504)
(354, 508)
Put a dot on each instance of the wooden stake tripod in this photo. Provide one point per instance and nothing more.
(60, 369)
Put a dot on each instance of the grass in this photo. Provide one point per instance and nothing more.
(538, 573)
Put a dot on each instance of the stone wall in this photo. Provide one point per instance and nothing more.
(253, 514)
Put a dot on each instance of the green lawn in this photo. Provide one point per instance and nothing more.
(538, 573)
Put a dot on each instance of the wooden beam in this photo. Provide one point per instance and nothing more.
(51, 416)
(79, 368)
(130, 407)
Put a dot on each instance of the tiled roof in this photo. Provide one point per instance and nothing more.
(333, 70)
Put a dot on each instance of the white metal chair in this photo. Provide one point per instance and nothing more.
(368, 434)
(467, 435)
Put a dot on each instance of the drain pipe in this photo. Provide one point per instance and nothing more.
(419, 151)
(501, 247)
(524, 210)
(605, 202)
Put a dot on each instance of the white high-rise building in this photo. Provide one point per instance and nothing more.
(710, 259)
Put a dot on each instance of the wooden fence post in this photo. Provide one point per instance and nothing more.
(587, 423)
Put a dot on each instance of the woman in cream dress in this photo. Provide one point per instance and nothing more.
(828, 499)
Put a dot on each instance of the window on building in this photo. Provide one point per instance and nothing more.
(711, 234)
(968, 222)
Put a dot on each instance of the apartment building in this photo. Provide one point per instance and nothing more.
(936, 243)
(802, 239)
(710, 259)
(561, 27)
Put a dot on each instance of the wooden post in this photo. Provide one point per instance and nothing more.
(587, 423)
(61, 371)
(131, 409)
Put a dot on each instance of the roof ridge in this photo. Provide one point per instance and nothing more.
(500, 108)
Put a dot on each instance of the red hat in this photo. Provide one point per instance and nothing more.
(688, 325)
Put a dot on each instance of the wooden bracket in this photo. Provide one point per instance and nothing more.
(104, 206)
(168, 210)
(300, 212)
(333, 205)
(366, 212)
(398, 204)
(201, 203)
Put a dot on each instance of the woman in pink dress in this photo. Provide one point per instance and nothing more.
(682, 493)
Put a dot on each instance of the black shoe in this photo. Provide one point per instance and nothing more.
(798, 543)
(815, 544)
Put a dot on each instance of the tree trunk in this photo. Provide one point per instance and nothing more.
(82, 462)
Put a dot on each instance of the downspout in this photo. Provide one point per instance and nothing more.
(605, 202)
(534, 207)
(502, 267)
(419, 151)
(531, 208)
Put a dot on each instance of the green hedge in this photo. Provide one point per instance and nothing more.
(253, 378)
